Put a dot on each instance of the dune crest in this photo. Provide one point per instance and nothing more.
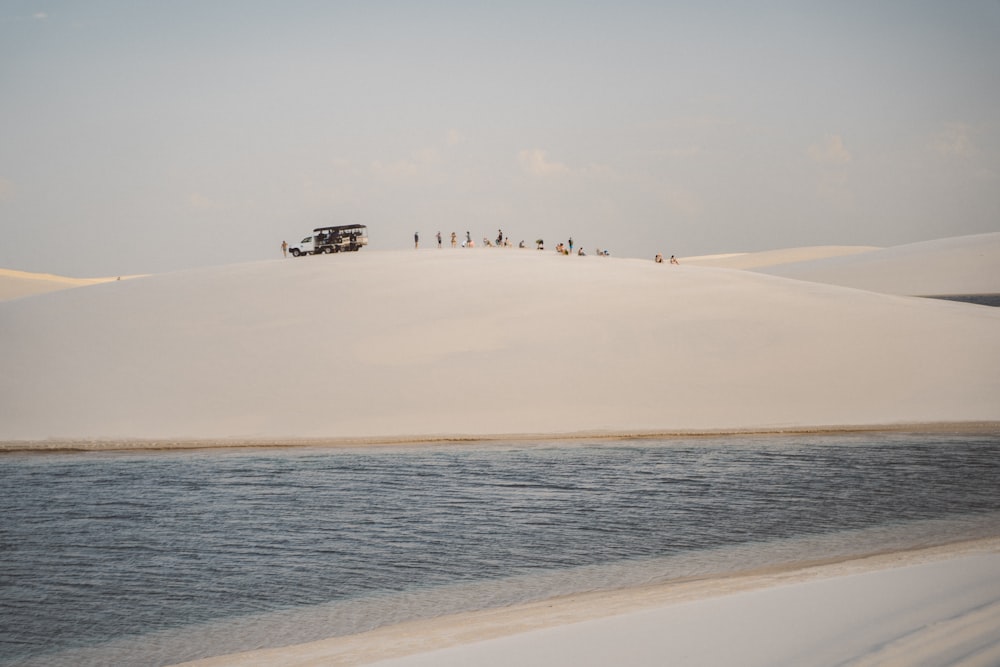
(960, 265)
(16, 284)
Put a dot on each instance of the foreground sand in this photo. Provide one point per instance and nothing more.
(930, 607)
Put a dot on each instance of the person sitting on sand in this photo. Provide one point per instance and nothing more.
(673, 260)
(658, 259)
(580, 252)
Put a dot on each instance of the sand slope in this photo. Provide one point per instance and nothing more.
(17, 284)
(769, 258)
(934, 606)
(960, 265)
(934, 613)
(483, 341)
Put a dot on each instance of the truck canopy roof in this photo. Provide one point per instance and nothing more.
(338, 228)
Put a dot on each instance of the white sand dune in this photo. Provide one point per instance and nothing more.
(769, 258)
(938, 606)
(960, 265)
(938, 613)
(17, 284)
(487, 341)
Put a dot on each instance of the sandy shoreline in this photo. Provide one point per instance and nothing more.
(475, 631)
(68, 446)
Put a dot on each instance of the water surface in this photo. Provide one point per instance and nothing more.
(155, 558)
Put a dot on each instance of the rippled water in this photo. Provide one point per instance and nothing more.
(150, 559)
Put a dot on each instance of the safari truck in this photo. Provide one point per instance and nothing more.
(342, 238)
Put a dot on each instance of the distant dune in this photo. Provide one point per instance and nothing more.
(769, 258)
(442, 343)
(17, 284)
(961, 265)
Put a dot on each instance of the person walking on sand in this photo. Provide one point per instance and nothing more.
(571, 244)
(416, 240)
(468, 239)
(439, 240)
(284, 248)
(454, 239)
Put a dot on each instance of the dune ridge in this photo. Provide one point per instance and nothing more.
(960, 265)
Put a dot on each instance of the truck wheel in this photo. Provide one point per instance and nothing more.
(295, 252)
(328, 250)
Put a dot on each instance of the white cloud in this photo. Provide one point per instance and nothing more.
(835, 188)
(830, 151)
(536, 163)
(421, 168)
(680, 200)
(684, 151)
(953, 140)
(202, 203)
(40, 16)
(398, 170)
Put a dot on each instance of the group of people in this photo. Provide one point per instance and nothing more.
(563, 249)
(503, 241)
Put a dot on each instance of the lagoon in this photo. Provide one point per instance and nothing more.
(155, 558)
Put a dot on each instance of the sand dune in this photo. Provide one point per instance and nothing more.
(769, 258)
(487, 341)
(935, 606)
(961, 265)
(17, 284)
(923, 613)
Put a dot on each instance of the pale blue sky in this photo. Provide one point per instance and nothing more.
(154, 136)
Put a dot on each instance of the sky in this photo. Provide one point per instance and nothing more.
(145, 137)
